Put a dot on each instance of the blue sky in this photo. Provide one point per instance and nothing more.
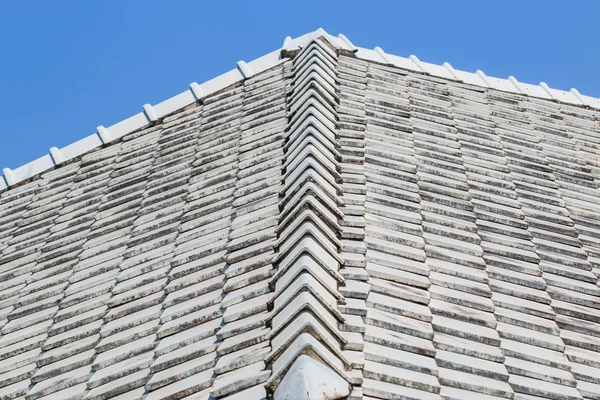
(69, 66)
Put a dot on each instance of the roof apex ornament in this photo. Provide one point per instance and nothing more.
(319, 32)
(287, 43)
(578, 95)
(103, 133)
(515, 83)
(450, 69)
(483, 77)
(418, 62)
(56, 155)
(547, 89)
(196, 90)
(9, 177)
(245, 69)
(150, 114)
(383, 55)
(348, 43)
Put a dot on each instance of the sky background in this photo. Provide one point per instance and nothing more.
(69, 66)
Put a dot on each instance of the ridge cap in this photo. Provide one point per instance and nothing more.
(151, 115)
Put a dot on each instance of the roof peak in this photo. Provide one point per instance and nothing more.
(244, 70)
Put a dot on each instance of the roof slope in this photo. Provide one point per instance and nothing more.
(196, 92)
(330, 228)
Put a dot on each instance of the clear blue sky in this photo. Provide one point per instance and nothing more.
(69, 66)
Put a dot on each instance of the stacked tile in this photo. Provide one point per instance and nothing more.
(13, 276)
(38, 268)
(531, 343)
(64, 366)
(244, 337)
(465, 339)
(13, 205)
(102, 322)
(463, 317)
(146, 281)
(510, 264)
(352, 74)
(565, 259)
(305, 337)
(398, 338)
(186, 355)
(584, 128)
(331, 226)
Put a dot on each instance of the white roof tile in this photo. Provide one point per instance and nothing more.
(378, 225)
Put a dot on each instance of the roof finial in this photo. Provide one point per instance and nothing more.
(382, 54)
(320, 32)
(418, 62)
(516, 83)
(578, 95)
(347, 42)
(547, 89)
(196, 90)
(287, 44)
(150, 114)
(451, 70)
(56, 155)
(483, 77)
(104, 135)
(9, 177)
(245, 69)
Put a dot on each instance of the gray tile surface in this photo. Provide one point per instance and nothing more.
(416, 238)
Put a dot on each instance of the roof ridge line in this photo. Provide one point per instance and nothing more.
(244, 70)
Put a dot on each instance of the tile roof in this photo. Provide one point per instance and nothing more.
(329, 226)
(196, 92)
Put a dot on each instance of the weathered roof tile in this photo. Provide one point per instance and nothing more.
(398, 234)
